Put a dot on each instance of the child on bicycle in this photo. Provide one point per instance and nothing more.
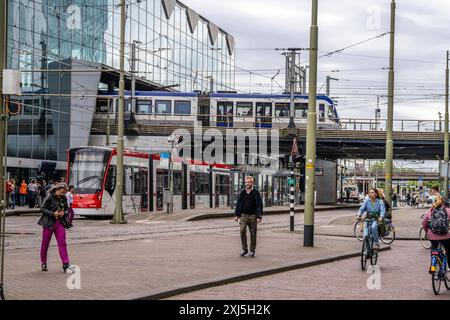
(376, 211)
(435, 234)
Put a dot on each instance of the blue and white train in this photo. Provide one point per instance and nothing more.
(232, 110)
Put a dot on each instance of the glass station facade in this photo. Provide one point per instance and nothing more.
(176, 47)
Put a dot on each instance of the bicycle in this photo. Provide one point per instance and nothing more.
(438, 269)
(423, 236)
(367, 251)
(358, 231)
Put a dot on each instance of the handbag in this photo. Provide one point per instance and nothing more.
(65, 222)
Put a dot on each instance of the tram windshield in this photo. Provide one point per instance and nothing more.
(87, 170)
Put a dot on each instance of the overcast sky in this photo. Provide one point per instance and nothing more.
(422, 39)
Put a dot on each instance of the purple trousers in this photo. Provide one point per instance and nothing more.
(60, 234)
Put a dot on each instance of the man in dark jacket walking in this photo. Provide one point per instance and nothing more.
(248, 212)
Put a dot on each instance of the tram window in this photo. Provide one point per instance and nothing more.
(282, 110)
(182, 107)
(136, 179)
(128, 182)
(110, 185)
(144, 106)
(301, 110)
(244, 109)
(201, 183)
(163, 107)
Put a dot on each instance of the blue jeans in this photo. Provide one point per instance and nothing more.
(12, 196)
(373, 230)
(23, 198)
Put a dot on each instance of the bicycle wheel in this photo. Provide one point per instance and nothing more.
(389, 239)
(364, 255)
(358, 230)
(447, 279)
(426, 244)
(402, 203)
(436, 278)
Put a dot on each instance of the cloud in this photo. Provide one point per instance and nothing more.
(422, 37)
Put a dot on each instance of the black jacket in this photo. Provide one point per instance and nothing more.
(240, 204)
(48, 208)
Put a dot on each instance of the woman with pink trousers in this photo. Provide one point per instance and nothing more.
(54, 220)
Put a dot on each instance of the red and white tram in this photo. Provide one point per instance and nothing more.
(93, 171)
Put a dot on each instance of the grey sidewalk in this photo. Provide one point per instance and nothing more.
(136, 269)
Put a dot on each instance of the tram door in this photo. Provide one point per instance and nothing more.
(222, 198)
(192, 190)
(161, 183)
(225, 115)
(143, 181)
(264, 115)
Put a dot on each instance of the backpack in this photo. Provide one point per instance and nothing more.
(439, 221)
(8, 187)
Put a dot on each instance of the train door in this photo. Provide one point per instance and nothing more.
(225, 114)
(264, 115)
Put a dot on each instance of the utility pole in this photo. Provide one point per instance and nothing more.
(3, 127)
(377, 113)
(390, 113)
(118, 214)
(446, 147)
(133, 60)
(310, 173)
(329, 85)
(292, 90)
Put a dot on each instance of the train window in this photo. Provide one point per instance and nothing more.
(182, 107)
(102, 106)
(301, 110)
(321, 112)
(224, 112)
(244, 109)
(128, 105)
(144, 106)
(163, 107)
(330, 112)
(282, 110)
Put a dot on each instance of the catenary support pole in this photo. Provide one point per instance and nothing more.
(308, 240)
(390, 118)
(118, 214)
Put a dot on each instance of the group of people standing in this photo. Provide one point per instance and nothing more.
(32, 193)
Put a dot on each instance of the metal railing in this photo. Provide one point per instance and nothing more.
(344, 124)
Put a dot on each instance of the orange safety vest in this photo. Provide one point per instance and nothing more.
(23, 188)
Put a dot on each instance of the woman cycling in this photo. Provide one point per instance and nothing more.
(376, 211)
(435, 239)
